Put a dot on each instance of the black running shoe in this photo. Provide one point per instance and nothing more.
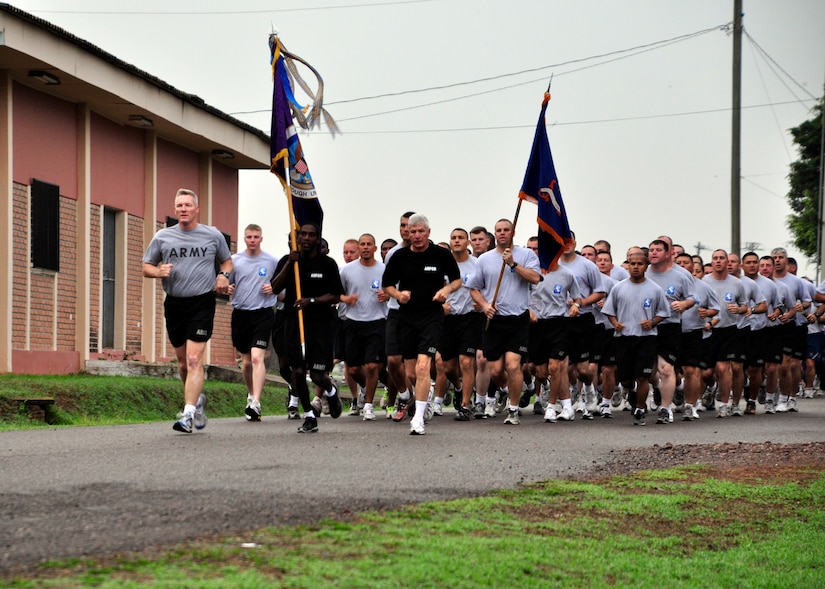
(334, 402)
(310, 425)
(463, 414)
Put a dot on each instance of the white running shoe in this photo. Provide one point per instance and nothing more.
(591, 402)
(605, 411)
(199, 420)
(369, 414)
(438, 409)
(782, 407)
(567, 414)
(550, 415)
(416, 429)
(490, 408)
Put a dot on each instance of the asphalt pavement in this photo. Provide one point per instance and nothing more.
(74, 492)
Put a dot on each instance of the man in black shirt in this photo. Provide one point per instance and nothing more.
(320, 289)
(419, 270)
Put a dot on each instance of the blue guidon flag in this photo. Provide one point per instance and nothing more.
(541, 187)
(285, 146)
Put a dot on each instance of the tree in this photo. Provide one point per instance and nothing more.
(805, 181)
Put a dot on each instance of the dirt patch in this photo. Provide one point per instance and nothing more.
(729, 461)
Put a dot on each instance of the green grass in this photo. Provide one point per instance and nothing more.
(680, 527)
(693, 528)
(113, 400)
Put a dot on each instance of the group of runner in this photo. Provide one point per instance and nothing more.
(478, 319)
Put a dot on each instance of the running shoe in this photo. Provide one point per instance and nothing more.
(587, 415)
(770, 407)
(663, 416)
(480, 412)
(334, 401)
(512, 417)
(782, 407)
(550, 415)
(253, 410)
(591, 402)
(567, 414)
(463, 414)
(690, 413)
(353, 408)
(310, 425)
(199, 420)
(293, 413)
(438, 409)
(792, 405)
(183, 424)
(369, 414)
(617, 397)
(735, 411)
(401, 410)
(500, 403)
(639, 417)
(491, 409)
(750, 409)
(524, 400)
(723, 411)
(416, 429)
(605, 411)
(428, 412)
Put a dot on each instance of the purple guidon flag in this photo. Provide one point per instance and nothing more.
(285, 146)
(541, 187)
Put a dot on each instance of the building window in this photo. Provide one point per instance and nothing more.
(45, 225)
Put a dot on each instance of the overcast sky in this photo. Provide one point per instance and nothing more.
(639, 122)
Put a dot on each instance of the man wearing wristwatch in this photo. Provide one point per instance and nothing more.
(184, 257)
(506, 337)
(320, 285)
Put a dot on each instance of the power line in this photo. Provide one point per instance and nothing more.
(652, 45)
(561, 124)
(225, 12)
(614, 55)
(773, 61)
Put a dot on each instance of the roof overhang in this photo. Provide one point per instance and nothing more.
(122, 92)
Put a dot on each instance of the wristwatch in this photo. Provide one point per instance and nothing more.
(513, 266)
(225, 274)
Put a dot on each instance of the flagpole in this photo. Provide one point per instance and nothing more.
(503, 265)
(293, 240)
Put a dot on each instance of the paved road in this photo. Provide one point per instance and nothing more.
(102, 490)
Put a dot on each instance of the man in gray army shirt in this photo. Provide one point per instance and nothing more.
(184, 257)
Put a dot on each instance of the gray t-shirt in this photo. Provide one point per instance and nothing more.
(550, 296)
(588, 276)
(193, 255)
(460, 300)
(633, 302)
(728, 291)
(514, 294)
(249, 274)
(677, 284)
(365, 281)
(705, 298)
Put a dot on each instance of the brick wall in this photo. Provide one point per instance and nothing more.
(20, 271)
(134, 285)
(66, 279)
(95, 326)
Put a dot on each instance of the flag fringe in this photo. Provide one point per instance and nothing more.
(310, 116)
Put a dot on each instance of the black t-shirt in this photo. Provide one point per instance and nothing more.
(319, 276)
(421, 273)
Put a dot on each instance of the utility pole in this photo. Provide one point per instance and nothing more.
(699, 247)
(736, 130)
